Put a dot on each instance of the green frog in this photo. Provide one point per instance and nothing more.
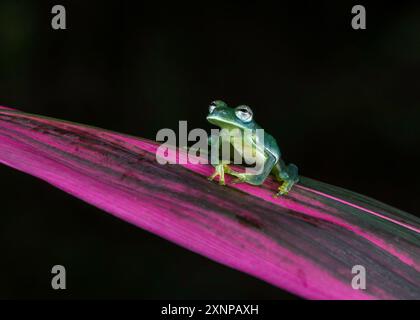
(268, 152)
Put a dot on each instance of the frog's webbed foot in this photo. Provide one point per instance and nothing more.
(219, 171)
(240, 177)
(287, 178)
(222, 169)
(285, 188)
(250, 178)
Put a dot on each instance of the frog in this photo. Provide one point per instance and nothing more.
(242, 118)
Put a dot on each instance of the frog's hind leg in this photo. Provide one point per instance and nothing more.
(286, 175)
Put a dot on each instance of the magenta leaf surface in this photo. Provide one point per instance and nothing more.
(306, 242)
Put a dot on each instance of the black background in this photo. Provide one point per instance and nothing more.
(343, 104)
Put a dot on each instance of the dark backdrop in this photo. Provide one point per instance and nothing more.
(343, 104)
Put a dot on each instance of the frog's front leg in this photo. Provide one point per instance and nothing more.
(220, 166)
(219, 170)
(255, 178)
(286, 175)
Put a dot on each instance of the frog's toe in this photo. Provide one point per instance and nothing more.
(285, 188)
(218, 172)
(211, 178)
(221, 180)
(280, 193)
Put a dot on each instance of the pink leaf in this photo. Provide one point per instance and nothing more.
(306, 242)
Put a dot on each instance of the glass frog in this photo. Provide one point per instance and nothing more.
(268, 152)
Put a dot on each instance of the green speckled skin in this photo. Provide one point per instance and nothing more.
(221, 115)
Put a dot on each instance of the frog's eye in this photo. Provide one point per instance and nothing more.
(244, 113)
(212, 106)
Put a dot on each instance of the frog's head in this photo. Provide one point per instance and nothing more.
(223, 116)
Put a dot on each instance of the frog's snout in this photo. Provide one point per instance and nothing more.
(216, 116)
(210, 118)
